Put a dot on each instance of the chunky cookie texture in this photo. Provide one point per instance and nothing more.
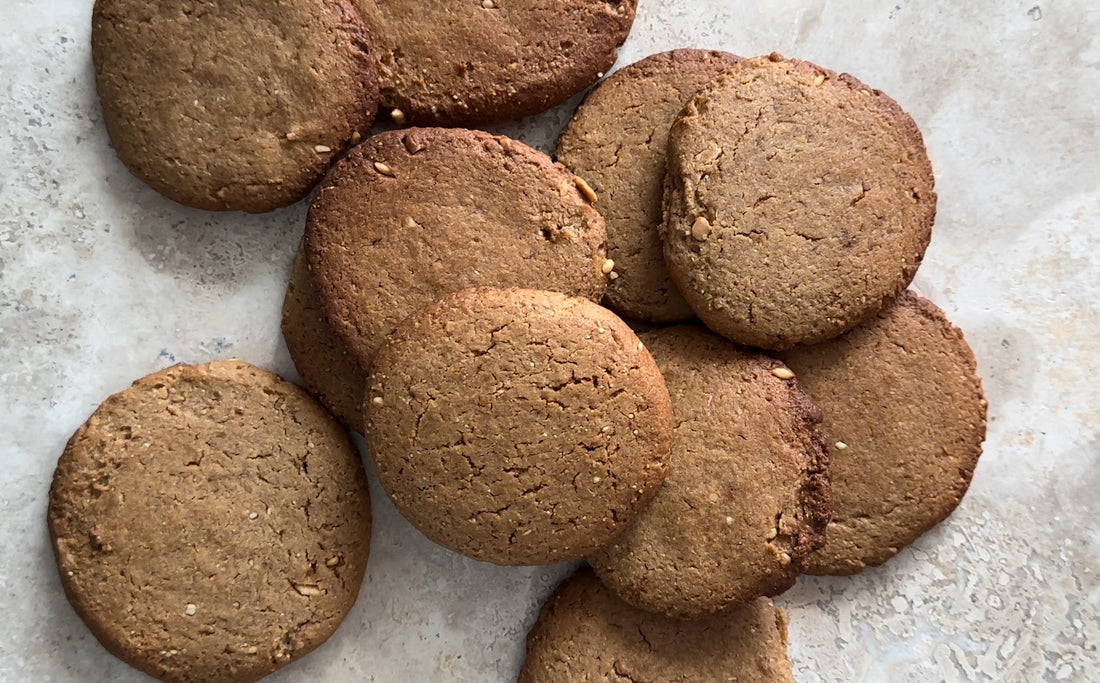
(210, 523)
(585, 633)
(518, 426)
(232, 105)
(414, 214)
(470, 62)
(616, 141)
(747, 494)
(798, 202)
(904, 420)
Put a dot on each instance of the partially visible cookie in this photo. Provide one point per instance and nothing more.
(798, 203)
(616, 141)
(585, 633)
(210, 523)
(323, 362)
(240, 105)
(517, 426)
(469, 62)
(413, 214)
(747, 494)
(904, 420)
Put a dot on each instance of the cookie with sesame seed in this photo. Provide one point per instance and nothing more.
(517, 426)
(246, 103)
(585, 633)
(904, 420)
(470, 62)
(746, 499)
(325, 365)
(798, 202)
(210, 523)
(413, 214)
(616, 141)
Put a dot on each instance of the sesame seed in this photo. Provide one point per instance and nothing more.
(190, 609)
(356, 138)
(631, 416)
(840, 445)
(488, 4)
(612, 276)
(398, 117)
(377, 400)
(700, 229)
(306, 589)
(596, 480)
(384, 169)
(783, 373)
(607, 267)
(321, 149)
(253, 515)
(729, 520)
(712, 497)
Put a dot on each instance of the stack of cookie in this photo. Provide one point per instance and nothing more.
(788, 408)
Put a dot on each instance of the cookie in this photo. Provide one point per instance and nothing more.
(616, 141)
(245, 104)
(410, 215)
(210, 523)
(798, 202)
(585, 633)
(469, 62)
(904, 420)
(747, 494)
(517, 426)
(324, 364)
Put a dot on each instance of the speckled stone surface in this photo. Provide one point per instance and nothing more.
(103, 281)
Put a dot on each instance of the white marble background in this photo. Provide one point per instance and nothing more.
(102, 281)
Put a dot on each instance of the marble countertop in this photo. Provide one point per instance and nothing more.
(102, 281)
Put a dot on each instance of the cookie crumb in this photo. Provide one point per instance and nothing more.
(190, 609)
(384, 169)
(820, 79)
(613, 275)
(700, 229)
(306, 589)
(783, 373)
(585, 189)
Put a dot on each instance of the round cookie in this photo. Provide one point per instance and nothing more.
(904, 420)
(246, 103)
(210, 523)
(517, 426)
(323, 362)
(585, 633)
(470, 62)
(616, 141)
(747, 493)
(798, 202)
(413, 214)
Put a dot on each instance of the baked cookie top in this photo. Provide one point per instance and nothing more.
(323, 362)
(210, 523)
(232, 105)
(798, 202)
(413, 214)
(904, 423)
(469, 62)
(747, 493)
(616, 141)
(585, 633)
(517, 426)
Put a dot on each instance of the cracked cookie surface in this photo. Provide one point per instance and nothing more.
(585, 633)
(210, 523)
(904, 423)
(616, 141)
(232, 106)
(517, 426)
(413, 214)
(747, 494)
(798, 202)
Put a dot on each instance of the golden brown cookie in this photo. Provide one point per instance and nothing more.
(210, 523)
(413, 214)
(323, 361)
(233, 105)
(904, 420)
(517, 426)
(616, 141)
(468, 62)
(747, 493)
(798, 203)
(585, 633)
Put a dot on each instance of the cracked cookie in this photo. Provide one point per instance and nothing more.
(210, 523)
(747, 493)
(585, 633)
(798, 202)
(616, 141)
(413, 214)
(904, 422)
(469, 62)
(323, 362)
(245, 104)
(517, 426)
